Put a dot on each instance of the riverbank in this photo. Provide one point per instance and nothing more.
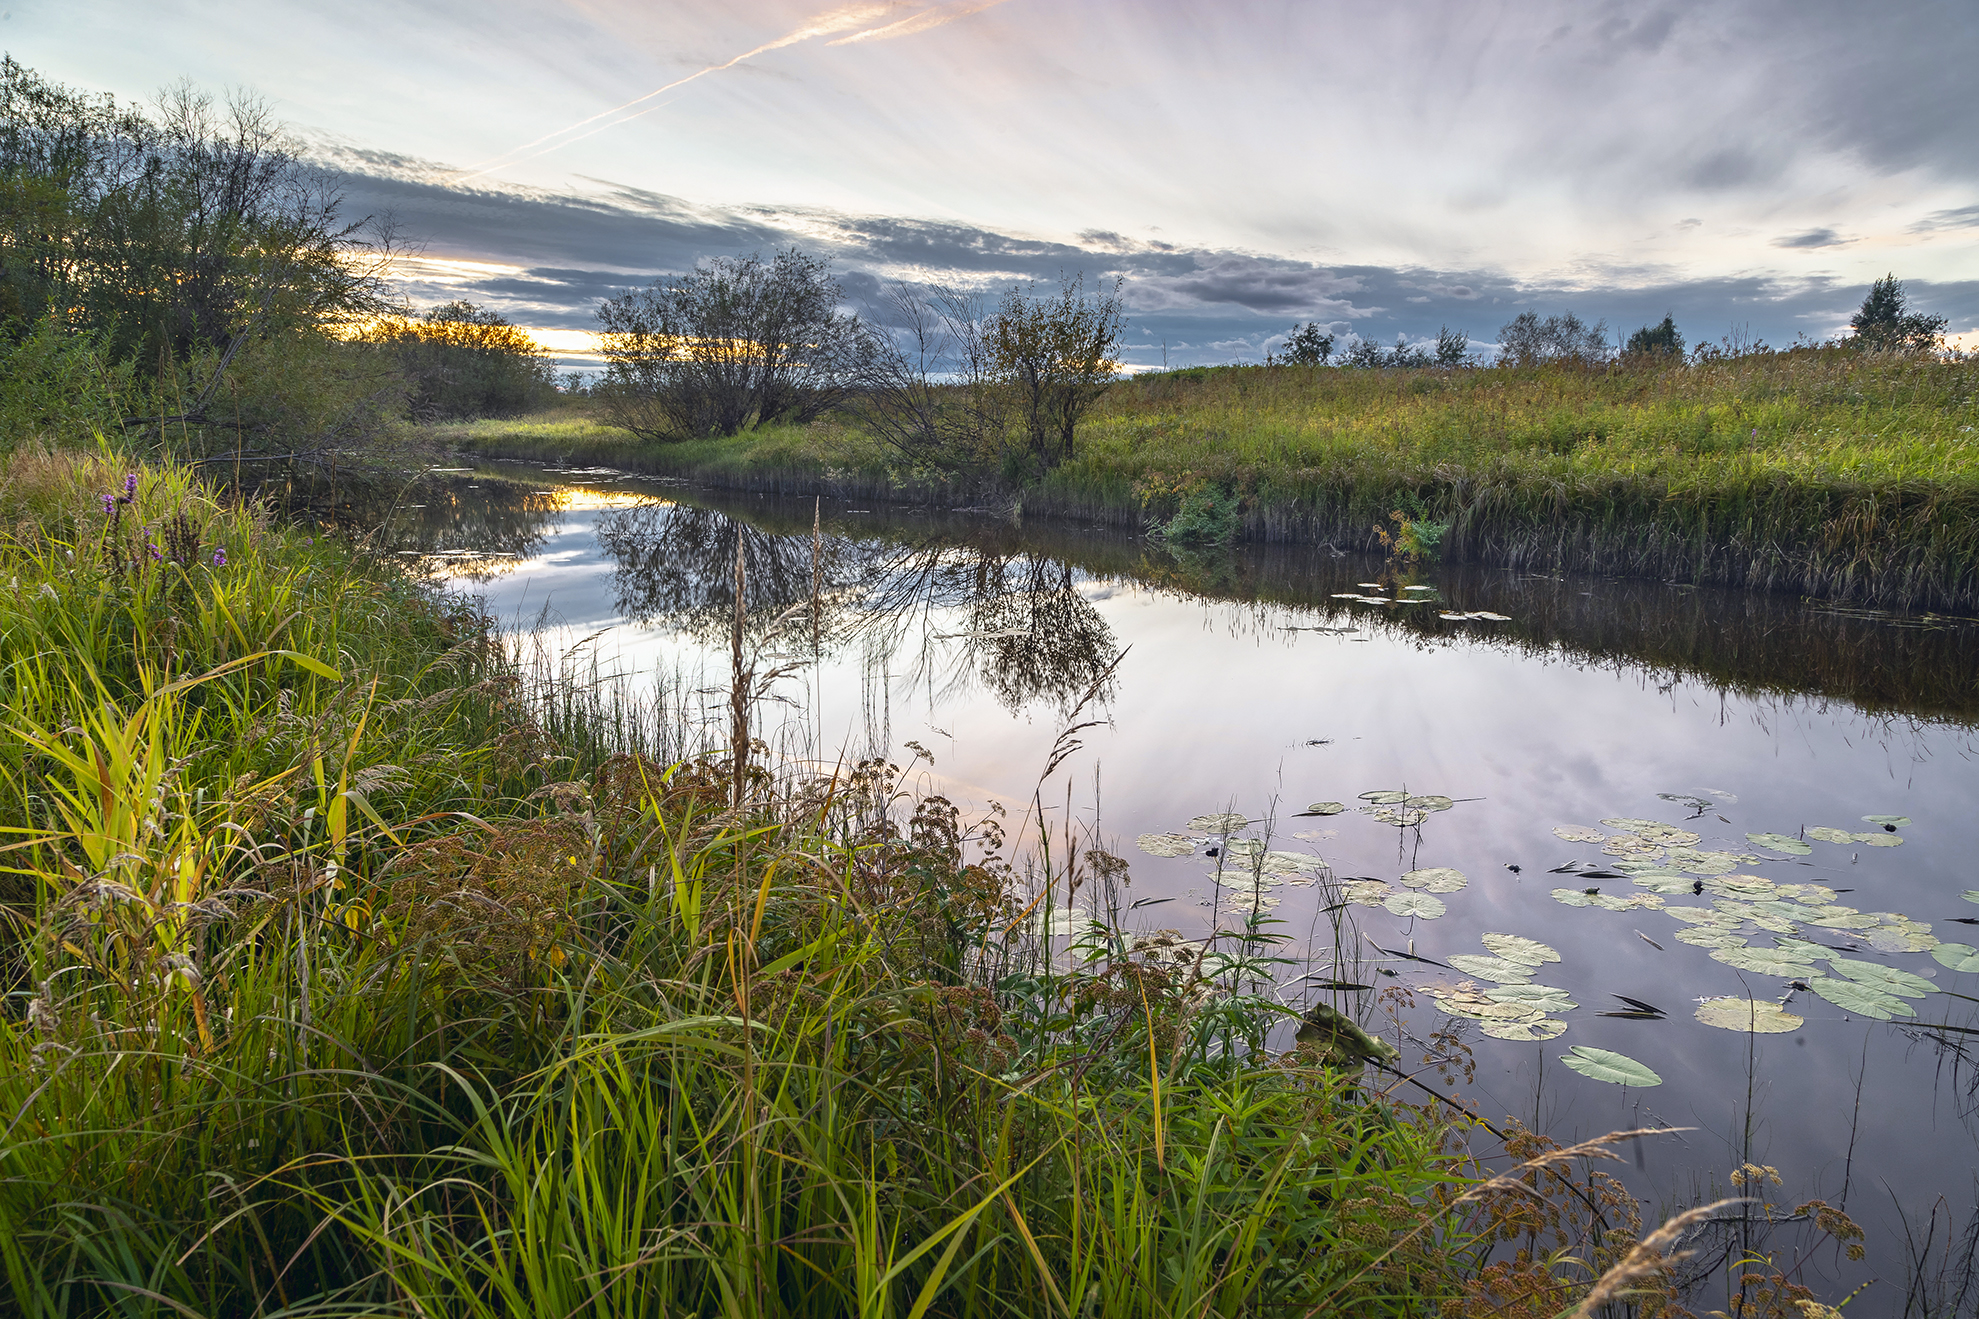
(353, 966)
(1823, 472)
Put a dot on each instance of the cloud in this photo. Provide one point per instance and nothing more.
(1812, 238)
(1963, 217)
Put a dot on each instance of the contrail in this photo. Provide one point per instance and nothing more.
(835, 20)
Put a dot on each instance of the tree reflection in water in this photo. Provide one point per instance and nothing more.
(482, 523)
(993, 614)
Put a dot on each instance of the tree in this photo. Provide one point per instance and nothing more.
(1453, 347)
(1663, 340)
(1366, 353)
(1885, 322)
(1307, 346)
(461, 360)
(1054, 355)
(1529, 341)
(736, 342)
(928, 389)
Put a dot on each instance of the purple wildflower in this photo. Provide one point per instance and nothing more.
(309, 540)
(219, 558)
(154, 552)
(109, 503)
(130, 486)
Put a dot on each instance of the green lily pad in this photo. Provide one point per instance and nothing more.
(1898, 820)
(1887, 979)
(1779, 843)
(1524, 1031)
(1541, 998)
(1827, 835)
(1710, 936)
(1607, 1065)
(1764, 961)
(1500, 969)
(1415, 904)
(1957, 956)
(1166, 844)
(1879, 840)
(1895, 940)
(1710, 916)
(1757, 1015)
(1685, 799)
(1864, 1001)
(1623, 822)
(1662, 882)
(1573, 897)
(1668, 835)
(1970, 895)
(1746, 888)
(1704, 864)
(1218, 824)
(1366, 892)
(1385, 797)
(1574, 833)
(1518, 948)
(1326, 808)
(1436, 879)
(1430, 803)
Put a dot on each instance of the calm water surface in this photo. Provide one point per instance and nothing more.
(1240, 682)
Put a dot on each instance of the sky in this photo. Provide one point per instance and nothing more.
(1748, 166)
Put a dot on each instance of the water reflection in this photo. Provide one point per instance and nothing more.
(479, 522)
(1025, 632)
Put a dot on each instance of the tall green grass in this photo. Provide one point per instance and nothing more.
(347, 974)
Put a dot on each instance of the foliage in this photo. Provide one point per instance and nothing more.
(463, 361)
(735, 343)
(1307, 346)
(1662, 339)
(1528, 340)
(1054, 356)
(60, 387)
(1884, 322)
(1368, 354)
(929, 390)
(1205, 513)
(1453, 347)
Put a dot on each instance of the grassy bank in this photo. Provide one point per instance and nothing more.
(1829, 472)
(350, 970)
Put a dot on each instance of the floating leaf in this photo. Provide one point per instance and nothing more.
(1889, 940)
(1573, 897)
(1540, 998)
(1499, 969)
(1860, 999)
(1898, 820)
(1663, 882)
(1704, 864)
(1574, 833)
(1779, 843)
(1217, 824)
(1326, 808)
(1389, 815)
(1748, 887)
(1763, 961)
(1290, 863)
(1710, 936)
(1607, 1065)
(1166, 844)
(1632, 825)
(1385, 797)
(1827, 835)
(1879, 840)
(1957, 956)
(1415, 904)
(1518, 948)
(1971, 895)
(1366, 892)
(1887, 979)
(1729, 798)
(1748, 1014)
(1430, 803)
(1685, 799)
(1702, 916)
(1436, 879)
(1524, 1031)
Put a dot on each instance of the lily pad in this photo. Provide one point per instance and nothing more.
(1886, 979)
(1518, 948)
(1415, 904)
(1764, 961)
(1957, 956)
(1685, 799)
(1540, 998)
(1218, 824)
(1710, 936)
(1366, 892)
(1779, 843)
(1524, 1031)
(1889, 940)
(1607, 1065)
(1632, 825)
(1391, 815)
(1864, 1001)
(1705, 865)
(1748, 888)
(1326, 808)
(1385, 797)
(1436, 879)
(1879, 840)
(1970, 895)
(1573, 897)
(1430, 803)
(1662, 882)
(1166, 844)
(1702, 916)
(1574, 833)
(1500, 969)
(1898, 820)
(1748, 1014)
(1827, 835)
